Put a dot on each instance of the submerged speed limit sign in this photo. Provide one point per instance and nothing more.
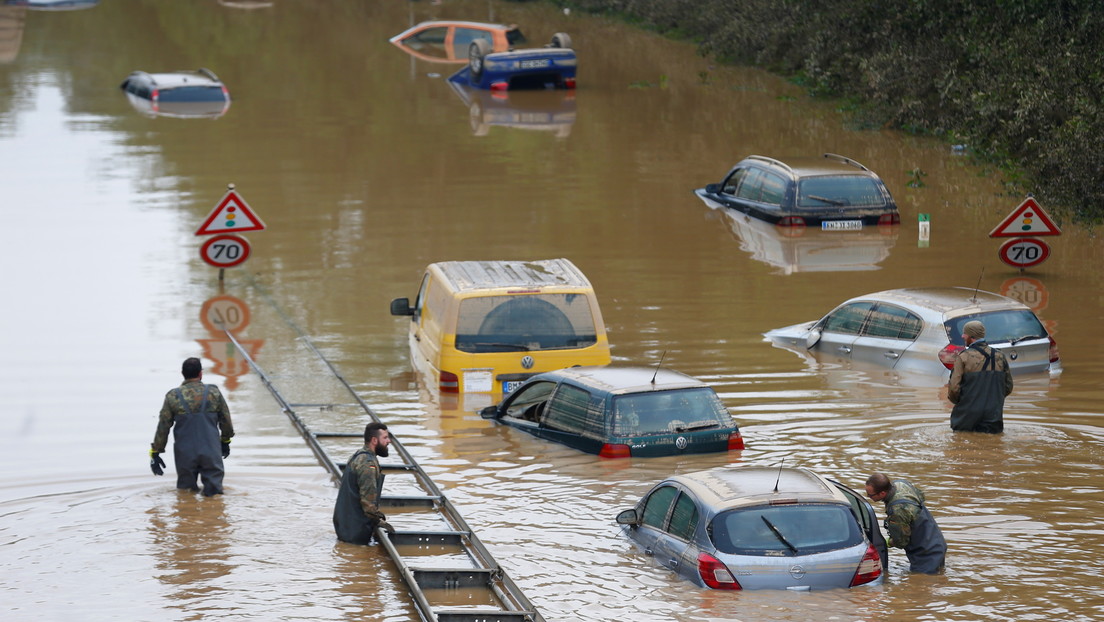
(225, 251)
(1024, 252)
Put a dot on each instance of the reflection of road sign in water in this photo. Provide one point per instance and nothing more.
(225, 251)
(231, 214)
(1027, 219)
(228, 362)
(224, 313)
(1027, 290)
(1024, 252)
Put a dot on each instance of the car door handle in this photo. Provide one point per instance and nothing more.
(892, 355)
(649, 551)
(673, 563)
(845, 349)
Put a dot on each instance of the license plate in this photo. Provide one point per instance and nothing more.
(539, 63)
(508, 386)
(841, 225)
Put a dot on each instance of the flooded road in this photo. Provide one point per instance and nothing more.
(366, 166)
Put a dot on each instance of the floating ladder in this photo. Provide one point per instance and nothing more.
(437, 564)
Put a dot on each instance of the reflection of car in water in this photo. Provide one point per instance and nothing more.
(920, 331)
(552, 66)
(798, 249)
(182, 94)
(750, 527)
(55, 5)
(448, 41)
(547, 111)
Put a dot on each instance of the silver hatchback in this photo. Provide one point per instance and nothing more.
(920, 330)
(750, 527)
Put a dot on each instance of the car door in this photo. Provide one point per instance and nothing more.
(889, 331)
(868, 521)
(840, 328)
(668, 523)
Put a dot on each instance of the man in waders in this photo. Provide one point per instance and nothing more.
(979, 383)
(909, 523)
(356, 513)
(200, 421)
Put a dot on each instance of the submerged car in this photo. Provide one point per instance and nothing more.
(920, 330)
(180, 94)
(831, 192)
(617, 412)
(444, 41)
(552, 66)
(752, 527)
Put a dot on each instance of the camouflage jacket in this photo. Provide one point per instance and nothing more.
(972, 360)
(370, 480)
(901, 516)
(193, 395)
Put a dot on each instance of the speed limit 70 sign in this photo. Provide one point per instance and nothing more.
(1024, 252)
(225, 251)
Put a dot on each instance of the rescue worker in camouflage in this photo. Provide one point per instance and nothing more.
(909, 523)
(979, 383)
(356, 514)
(200, 420)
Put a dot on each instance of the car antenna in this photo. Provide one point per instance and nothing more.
(779, 478)
(974, 299)
(657, 367)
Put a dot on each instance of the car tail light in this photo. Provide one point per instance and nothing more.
(499, 86)
(1053, 350)
(791, 221)
(870, 568)
(948, 355)
(155, 96)
(889, 219)
(716, 574)
(613, 450)
(449, 383)
(569, 83)
(735, 441)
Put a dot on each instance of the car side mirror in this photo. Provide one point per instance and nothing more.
(489, 412)
(812, 338)
(628, 517)
(712, 188)
(401, 306)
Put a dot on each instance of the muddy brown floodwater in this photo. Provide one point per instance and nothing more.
(366, 166)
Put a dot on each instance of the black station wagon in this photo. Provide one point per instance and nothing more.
(618, 412)
(831, 192)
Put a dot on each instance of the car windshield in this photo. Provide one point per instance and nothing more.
(1012, 325)
(785, 530)
(839, 191)
(525, 323)
(669, 412)
(192, 94)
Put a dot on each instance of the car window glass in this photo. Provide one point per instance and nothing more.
(570, 411)
(462, 38)
(810, 528)
(773, 189)
(430, 42)
(839, 191)
(657, 505)
(892, 322)
(666, 412)
(751, 185)
(1000, 326)
(525, 323)
(684, 518)
(733, 181)
(848, 319)
(208, 93)
(527, 397)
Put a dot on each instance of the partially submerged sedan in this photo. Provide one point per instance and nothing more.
(920, 330)
(751, 527)
(550, 67)
(180, 94)
(617, 412)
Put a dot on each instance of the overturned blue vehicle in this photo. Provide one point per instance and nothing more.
(550, 67)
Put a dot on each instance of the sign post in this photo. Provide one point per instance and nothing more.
(1028, 219)
(231, 215)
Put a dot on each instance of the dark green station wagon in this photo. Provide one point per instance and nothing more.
(617, 412)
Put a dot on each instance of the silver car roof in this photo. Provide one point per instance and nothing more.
(626, 379)
(946, 301)
(737, 486)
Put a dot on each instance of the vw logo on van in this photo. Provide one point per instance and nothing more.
(681, 442)
(527, 362)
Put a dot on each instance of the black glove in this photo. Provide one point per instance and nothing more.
(225, 448)
(157, 465)
(387, 527)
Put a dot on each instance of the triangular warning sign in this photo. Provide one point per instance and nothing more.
(1026, 220)
(230, 214)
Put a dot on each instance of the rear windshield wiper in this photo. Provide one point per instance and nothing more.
(817, 197)
(1024, 338)
(777, 533)
(509, 347)
(697, 425)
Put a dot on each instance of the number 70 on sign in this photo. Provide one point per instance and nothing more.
(225, 251)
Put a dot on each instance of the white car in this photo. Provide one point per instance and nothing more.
(179, 94)
(920, 331)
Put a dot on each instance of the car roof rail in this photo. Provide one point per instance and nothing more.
(777, 163)
(845, 160)
(207, 72)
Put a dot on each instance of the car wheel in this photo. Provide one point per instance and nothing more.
(561, 40)
(477, 51)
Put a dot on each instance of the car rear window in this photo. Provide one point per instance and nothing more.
(808, 527)
(525, 323)
(669, 412)
(1000, 326)
(192, 94)
(839, 191)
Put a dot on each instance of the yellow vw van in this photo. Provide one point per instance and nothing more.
(486, 326)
